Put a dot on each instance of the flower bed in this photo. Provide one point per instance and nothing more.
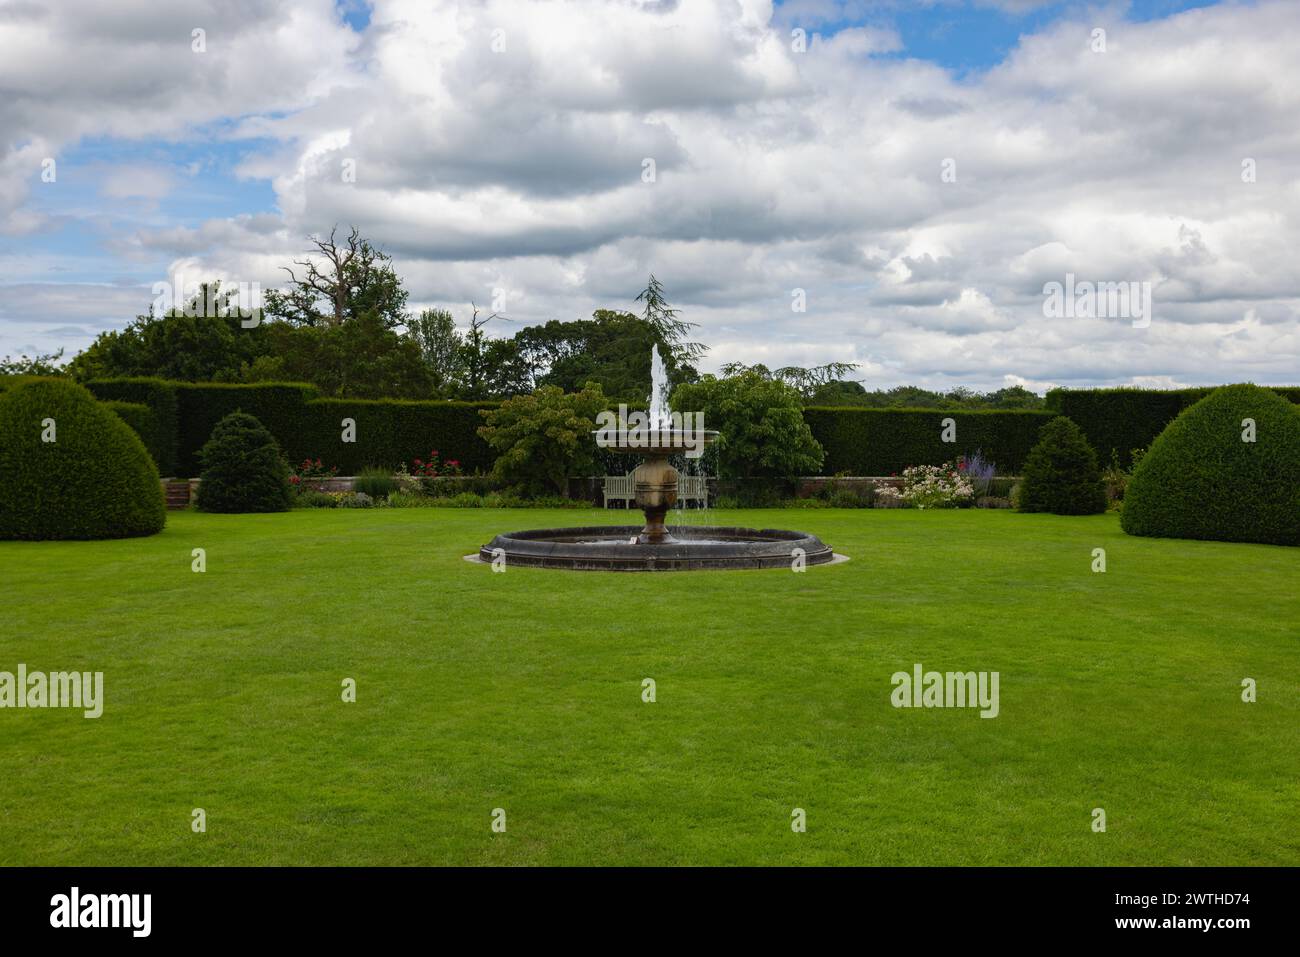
(928, 486)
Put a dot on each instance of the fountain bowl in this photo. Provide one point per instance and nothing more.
(690, 548)
(654, 442)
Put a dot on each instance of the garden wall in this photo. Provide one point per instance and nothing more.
(884, 441)
(1128, 419)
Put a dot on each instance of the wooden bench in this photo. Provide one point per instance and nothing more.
(622, 488)
(619, 488)
(693, 488)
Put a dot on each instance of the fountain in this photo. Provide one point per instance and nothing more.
(655, 479)
(655, 437)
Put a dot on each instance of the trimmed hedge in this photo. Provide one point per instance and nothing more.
(886, 441)
(142, 421)
(1201, 480)
(95, 480)
(160, 396)
(1128, 419)
(147, 405)
(856, 440)
(8, 382)
(280, 406)
(390, 432)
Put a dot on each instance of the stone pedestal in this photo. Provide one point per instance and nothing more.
(656, 493)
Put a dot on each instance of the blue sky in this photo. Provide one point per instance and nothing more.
(86, 214)
(965, 36)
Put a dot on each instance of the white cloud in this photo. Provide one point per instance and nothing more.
(775, 170)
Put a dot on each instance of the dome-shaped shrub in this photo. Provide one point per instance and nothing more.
(243, 470)
(94, 480)
(1201, 479)
(1061, 473)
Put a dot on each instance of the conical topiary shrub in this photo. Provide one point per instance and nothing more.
(243, 470)
(70, 468)
(1211, 474)
(1061, 474)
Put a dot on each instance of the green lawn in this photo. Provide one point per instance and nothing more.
(523, 691)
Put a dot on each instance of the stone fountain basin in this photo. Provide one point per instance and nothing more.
(612, 548)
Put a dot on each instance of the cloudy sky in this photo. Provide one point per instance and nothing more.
(919, 170)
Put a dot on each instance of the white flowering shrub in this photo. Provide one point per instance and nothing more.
(929, 486)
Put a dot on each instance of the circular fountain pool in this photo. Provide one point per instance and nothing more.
(616, 548)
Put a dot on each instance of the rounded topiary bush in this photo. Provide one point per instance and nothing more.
(1201, 478)
(243, 470)
(70, 468)
(1061, 474)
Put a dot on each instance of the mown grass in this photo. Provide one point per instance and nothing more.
(523, 691)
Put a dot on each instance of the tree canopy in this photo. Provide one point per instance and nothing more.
(344, 281)
(184, 343)
(760, 419)
(341, 323)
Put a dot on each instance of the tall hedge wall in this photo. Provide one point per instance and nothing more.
(160, 396)
(884, 441)
(144, 423)
(1127, 419)
(280, 406)
(388, 432)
